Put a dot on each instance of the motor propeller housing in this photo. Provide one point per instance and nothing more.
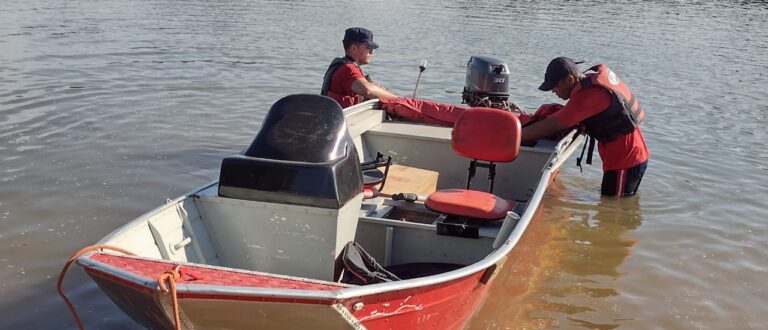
(487, 83)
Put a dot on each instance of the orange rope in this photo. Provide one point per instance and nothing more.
(171, 276)
(64, 271)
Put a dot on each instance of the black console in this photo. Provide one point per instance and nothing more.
(303, 155)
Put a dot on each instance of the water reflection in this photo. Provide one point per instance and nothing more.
(513, 294)
(565, 271)
(598, 232)
(594, 246)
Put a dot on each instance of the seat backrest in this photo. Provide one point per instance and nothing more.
(487, 134)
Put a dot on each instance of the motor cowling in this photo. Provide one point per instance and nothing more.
(487, 83)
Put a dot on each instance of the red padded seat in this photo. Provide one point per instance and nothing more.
(482, 134)
(487, 134)
(468, 203)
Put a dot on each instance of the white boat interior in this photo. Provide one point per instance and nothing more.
(305, 241)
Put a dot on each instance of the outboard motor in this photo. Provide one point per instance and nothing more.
(299, 191)
(487, 83)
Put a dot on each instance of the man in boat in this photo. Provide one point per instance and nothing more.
(604, 107)
(344, 80)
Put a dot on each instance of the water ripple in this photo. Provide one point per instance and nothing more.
(109, 108)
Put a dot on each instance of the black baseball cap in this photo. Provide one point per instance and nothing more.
(358, 34)
(556, 70)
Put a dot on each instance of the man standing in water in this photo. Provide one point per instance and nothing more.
(604, 106)
(344, 80)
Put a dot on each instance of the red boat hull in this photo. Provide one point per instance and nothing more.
(447, 305)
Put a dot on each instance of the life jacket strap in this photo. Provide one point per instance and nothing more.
(591, 150)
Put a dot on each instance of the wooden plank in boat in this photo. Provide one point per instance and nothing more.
(406, 179)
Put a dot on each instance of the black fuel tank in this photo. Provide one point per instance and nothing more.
(303, 155)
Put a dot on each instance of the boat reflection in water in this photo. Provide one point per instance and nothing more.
(563, 271)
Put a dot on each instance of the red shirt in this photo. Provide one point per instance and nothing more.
(341, 82)
(620, 153)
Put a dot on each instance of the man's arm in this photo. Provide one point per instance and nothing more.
(368, 90)
(587, 103)
(543, 128)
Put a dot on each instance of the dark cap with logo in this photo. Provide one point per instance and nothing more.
(556, 70)
(358, 34)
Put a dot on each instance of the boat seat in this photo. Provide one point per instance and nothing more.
(469, 203)
(484, 135)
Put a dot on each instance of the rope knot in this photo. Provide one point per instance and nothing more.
(170, 276)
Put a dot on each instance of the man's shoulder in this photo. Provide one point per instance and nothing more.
(351, 66)
(590, 98)
(582, 104)
(591, 92)
(350, 69)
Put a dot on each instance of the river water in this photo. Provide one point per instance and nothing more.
(108, 108)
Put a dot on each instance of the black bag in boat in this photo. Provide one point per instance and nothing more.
(360, 268)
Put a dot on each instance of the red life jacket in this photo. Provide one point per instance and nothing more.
(345, 100)
(622, 115)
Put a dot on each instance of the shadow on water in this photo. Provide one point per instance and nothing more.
(565, 270)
